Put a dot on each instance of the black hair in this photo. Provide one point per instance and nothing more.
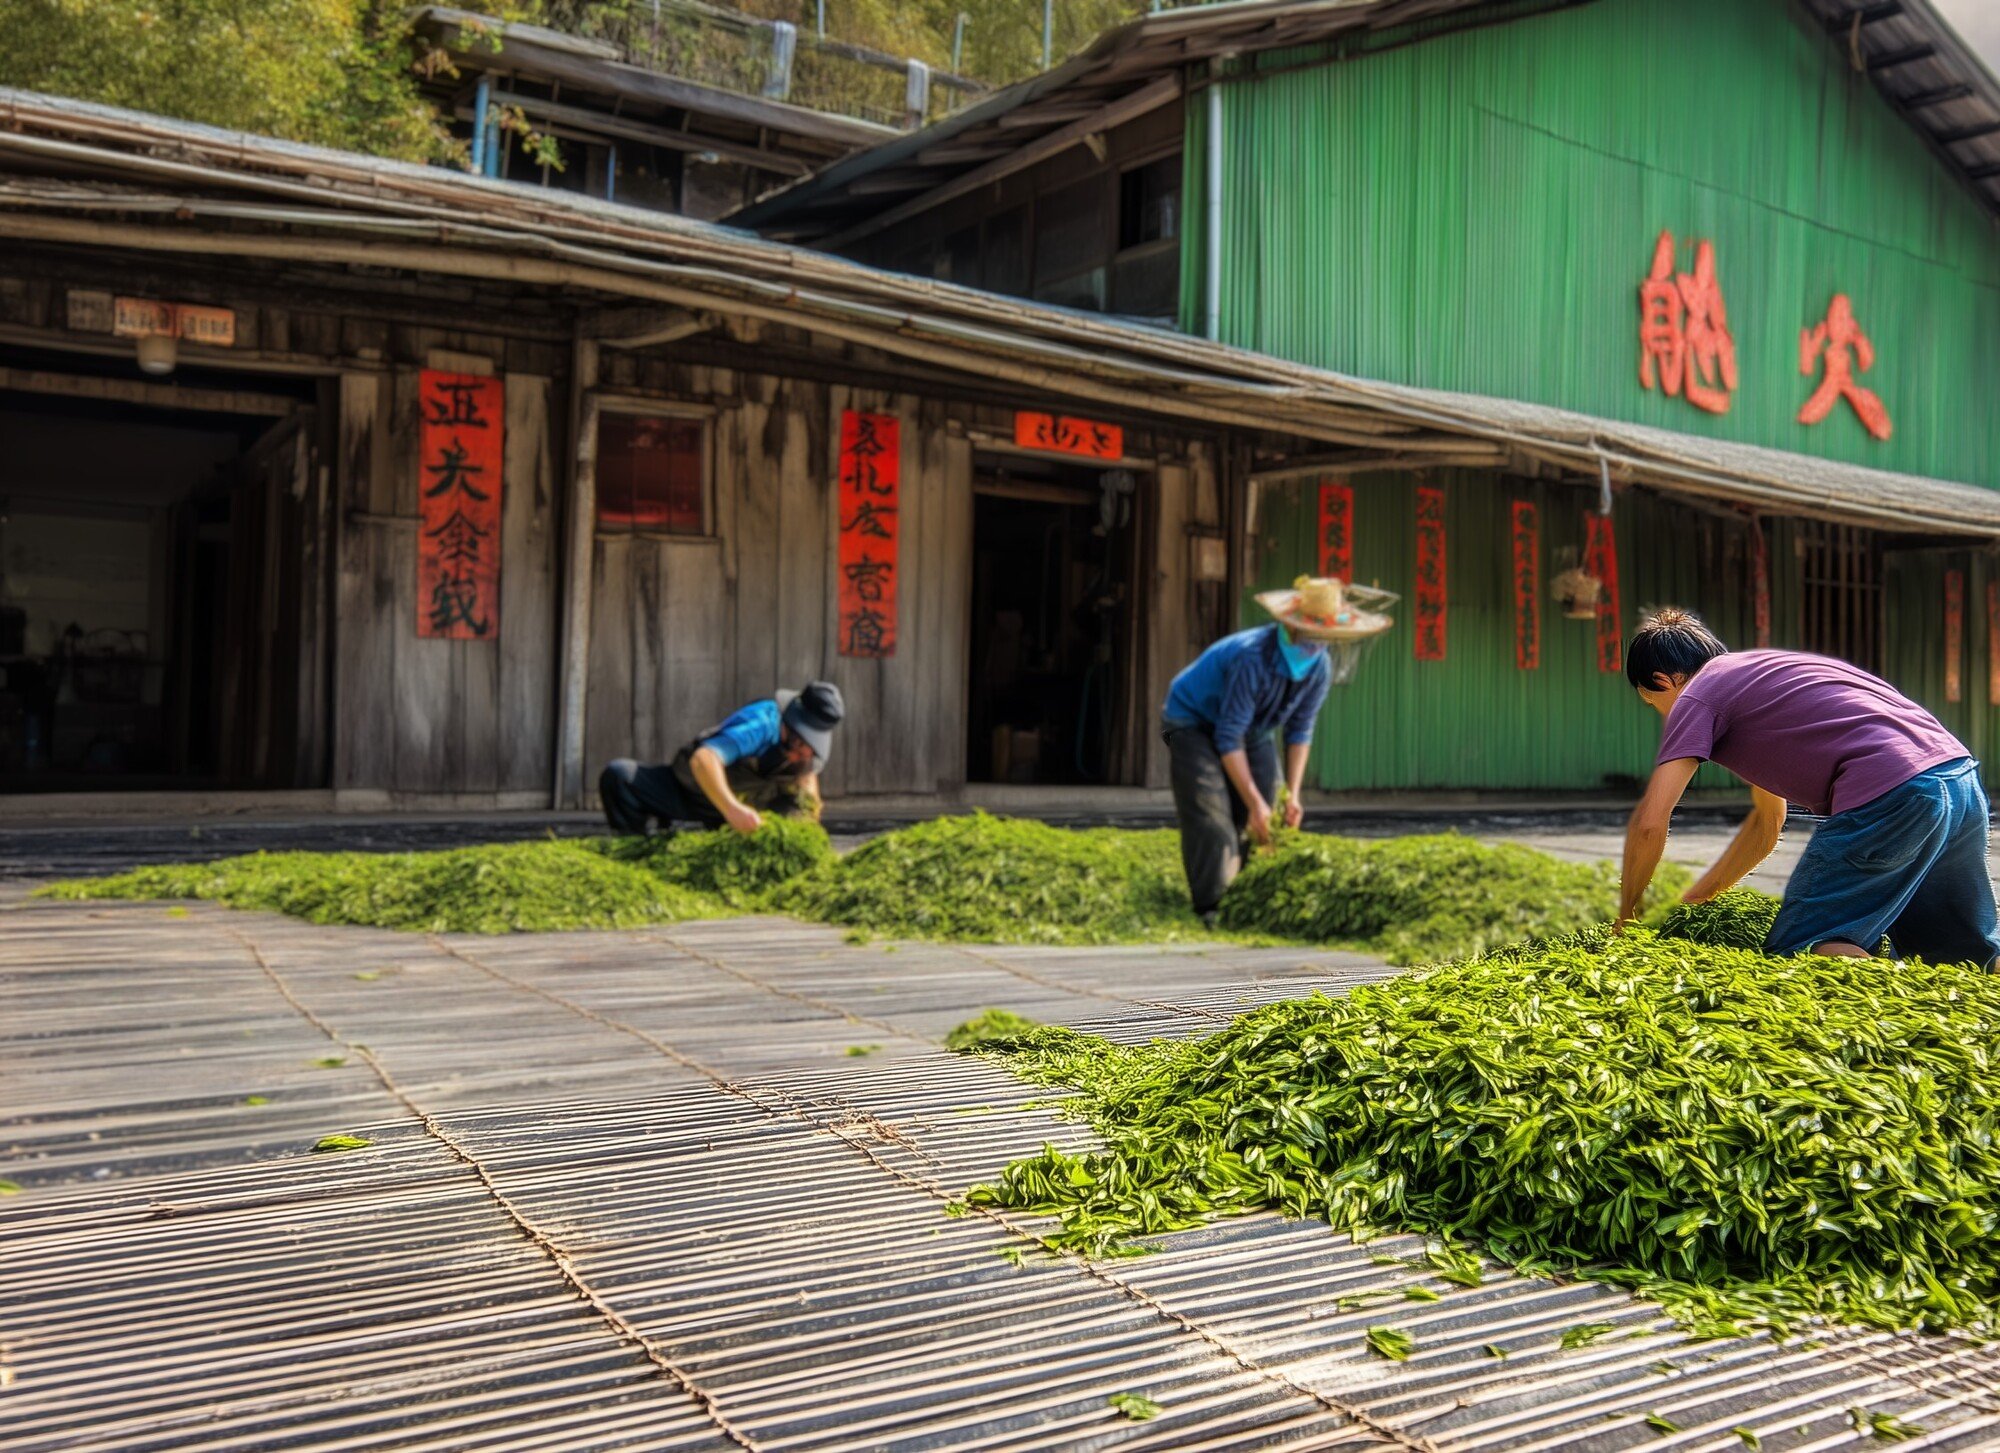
(1670, 642)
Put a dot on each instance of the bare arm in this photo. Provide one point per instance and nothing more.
(808, 793)
(1751, 845)
(1236, 766)
(713, 778)
(1295, 781)
(1646, 831)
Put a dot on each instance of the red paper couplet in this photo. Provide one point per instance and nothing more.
(1954, 635)
(871, 467)
(459, 470)
(1993, 643)
(1601, 560)
(1760, 584)
(1336, 530)
(1527, 592)
(1431, 599)
(1061, 435)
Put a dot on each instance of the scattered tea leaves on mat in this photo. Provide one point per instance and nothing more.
(9, 1188)
(1135, 1406)
(1420, 1294)
(1748, 1438)
(177, 912)
(330, 1062)
(341, 1142)
(369, 976)
(860, 1051)
(256, 1099)
(1390, 1342)
(1886, 1426)
(1586, 1334)
(1496, 1351)
(1661, 1424)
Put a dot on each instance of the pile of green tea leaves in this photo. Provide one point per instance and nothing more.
(1750, 1140)
(496, 888)
(1417, 899)
(983, 879)
(1736, 918)
(737, 870)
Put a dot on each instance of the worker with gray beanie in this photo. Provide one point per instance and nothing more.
(765, 757)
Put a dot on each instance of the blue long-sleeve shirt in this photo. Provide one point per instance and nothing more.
(1239, 688)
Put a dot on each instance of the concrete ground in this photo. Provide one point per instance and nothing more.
(699, 1188)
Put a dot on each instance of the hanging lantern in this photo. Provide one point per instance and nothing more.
(1577, 591)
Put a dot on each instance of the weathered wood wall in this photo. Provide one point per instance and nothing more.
(682, 630)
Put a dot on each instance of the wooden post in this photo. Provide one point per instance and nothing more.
(580, 534)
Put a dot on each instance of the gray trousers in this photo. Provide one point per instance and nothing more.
(1212, 815)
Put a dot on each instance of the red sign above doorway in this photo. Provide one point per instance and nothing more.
(1060, 435)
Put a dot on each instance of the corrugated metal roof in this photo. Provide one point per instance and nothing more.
(95, 177)
(1907, 49)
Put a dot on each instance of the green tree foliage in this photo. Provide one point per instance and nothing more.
(333, 72)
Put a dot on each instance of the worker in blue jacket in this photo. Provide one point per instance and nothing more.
(764, 757)
(1219, 723)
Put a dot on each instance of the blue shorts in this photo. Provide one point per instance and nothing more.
(1911, 866)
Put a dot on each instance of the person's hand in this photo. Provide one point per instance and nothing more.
(744, 819)
(1260, 822)
(1697, 894)
(1295, 812)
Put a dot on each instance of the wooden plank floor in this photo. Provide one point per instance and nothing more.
(634, 1190)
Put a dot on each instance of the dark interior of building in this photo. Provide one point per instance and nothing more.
(147, 583)
(1052, 571)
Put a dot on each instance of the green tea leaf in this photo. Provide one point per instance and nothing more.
(1587, 1333)
(256, 1099)
(1390, 1342)
(330, 1062)
(857, 1051)
(1661, 1424)
(9, 1188)
(1748, 1437)
(1495, 1350)
(341, 1142)
(1420, 1294)
(369, 976)
(1134, 1405)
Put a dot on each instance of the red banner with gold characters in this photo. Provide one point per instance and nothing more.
(1760, 584)
(1527, 586)
(1431, 596)
(871, 467)
(1600, 558)
(1954, 635)
(1336, 530)
(460, 454)
(1061, 435)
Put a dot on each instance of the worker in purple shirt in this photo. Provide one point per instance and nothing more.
(1902, 852)
(764, 757)
(1218, 722)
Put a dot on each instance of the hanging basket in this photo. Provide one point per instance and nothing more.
(1577, 592)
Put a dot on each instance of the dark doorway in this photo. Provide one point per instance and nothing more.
(157, 609)
(1054, 641)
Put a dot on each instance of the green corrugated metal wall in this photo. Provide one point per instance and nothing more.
(1476, 211)
(1476, 722)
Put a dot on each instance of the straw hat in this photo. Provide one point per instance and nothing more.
(1317, 609)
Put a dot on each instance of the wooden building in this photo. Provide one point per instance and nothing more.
(1742, 238)
(377, 485)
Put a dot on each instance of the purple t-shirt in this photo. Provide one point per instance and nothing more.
(1810, 729)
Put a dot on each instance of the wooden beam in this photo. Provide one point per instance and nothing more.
(644, 327)
(1139, 103)
(895, 179)
(1920, 100)
(1867, 15)
(1965, 133)
(603, 123)
(1027, 117)
(147, 393)
(579, 565)
(1908, 54)
(951, 153)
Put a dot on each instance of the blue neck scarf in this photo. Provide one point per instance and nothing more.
(1300, 657)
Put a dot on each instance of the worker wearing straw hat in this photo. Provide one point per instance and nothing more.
(1220, 718)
